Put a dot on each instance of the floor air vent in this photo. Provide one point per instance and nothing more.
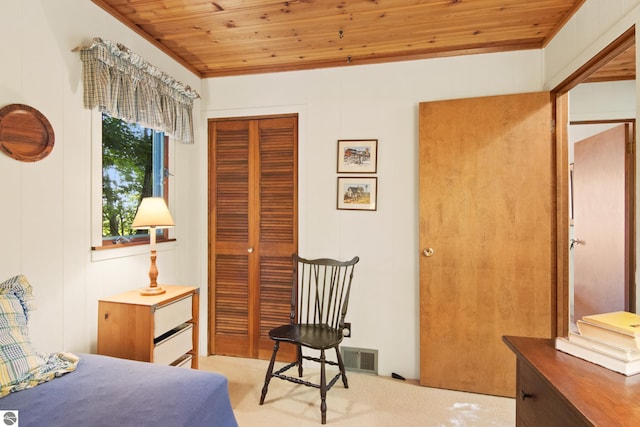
(360, 359)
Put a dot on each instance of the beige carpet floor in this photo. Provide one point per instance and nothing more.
(369, 401)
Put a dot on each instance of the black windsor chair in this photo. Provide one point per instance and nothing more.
(319, 302)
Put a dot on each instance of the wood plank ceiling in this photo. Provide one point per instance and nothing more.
(622, 67)
(216, 38)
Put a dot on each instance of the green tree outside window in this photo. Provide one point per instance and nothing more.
(133, 167)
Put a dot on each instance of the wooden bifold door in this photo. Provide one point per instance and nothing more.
(253, 230)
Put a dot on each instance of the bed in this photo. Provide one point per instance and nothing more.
(106, 391)
(62, 389)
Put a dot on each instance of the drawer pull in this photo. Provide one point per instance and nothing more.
(524, 395)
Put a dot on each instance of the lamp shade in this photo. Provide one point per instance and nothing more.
(153, 213)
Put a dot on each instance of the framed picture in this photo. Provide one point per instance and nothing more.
(357, 155)
(357, 193)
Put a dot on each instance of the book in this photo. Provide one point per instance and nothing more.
(609, 336)
(612, 350)
(619, 321)
(627, 368)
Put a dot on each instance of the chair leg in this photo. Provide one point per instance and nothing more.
(341, 366)
(267, 377)
(300, 361)
(323, 388)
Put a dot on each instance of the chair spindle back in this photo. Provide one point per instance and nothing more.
(321, 291)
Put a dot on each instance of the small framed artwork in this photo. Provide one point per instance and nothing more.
(357, 155)
(357, 193)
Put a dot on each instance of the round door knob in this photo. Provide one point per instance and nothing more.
(428, 252)
(250, 250)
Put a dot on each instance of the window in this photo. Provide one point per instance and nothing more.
(134, 165)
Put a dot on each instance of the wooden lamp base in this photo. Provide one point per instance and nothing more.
(153, 288)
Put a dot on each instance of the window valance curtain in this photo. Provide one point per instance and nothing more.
(123, 85)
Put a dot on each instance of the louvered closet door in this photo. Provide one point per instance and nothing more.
(252, 231)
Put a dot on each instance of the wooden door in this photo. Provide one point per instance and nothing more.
(487, 237)
(253, 230)
(601, 222)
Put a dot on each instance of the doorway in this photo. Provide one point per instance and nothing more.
(614, 63)
(602, 201)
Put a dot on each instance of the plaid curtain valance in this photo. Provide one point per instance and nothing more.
(123, 85)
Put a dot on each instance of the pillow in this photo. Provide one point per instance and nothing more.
(21, 366)
(20, 287)
(17, 355)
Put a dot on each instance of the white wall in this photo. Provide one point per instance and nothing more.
(603, 101)
(45, 211)
(377, 101)
(45, 206)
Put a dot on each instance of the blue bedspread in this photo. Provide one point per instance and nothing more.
(105, 391)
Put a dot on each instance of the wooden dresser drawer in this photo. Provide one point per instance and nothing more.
(174, 346)
(184, 362)
(167, 317)
(537, 403)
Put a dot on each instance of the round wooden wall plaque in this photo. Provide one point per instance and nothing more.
(25, 134)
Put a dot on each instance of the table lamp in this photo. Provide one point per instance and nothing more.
(152, 213)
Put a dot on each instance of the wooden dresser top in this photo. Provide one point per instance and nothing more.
(604, 397)
(173, 292)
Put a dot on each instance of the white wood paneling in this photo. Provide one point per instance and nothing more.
(10, 170)
(45, 215)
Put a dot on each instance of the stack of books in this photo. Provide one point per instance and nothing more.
(611, 340)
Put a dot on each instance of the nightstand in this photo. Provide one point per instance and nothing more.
(160, 329)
